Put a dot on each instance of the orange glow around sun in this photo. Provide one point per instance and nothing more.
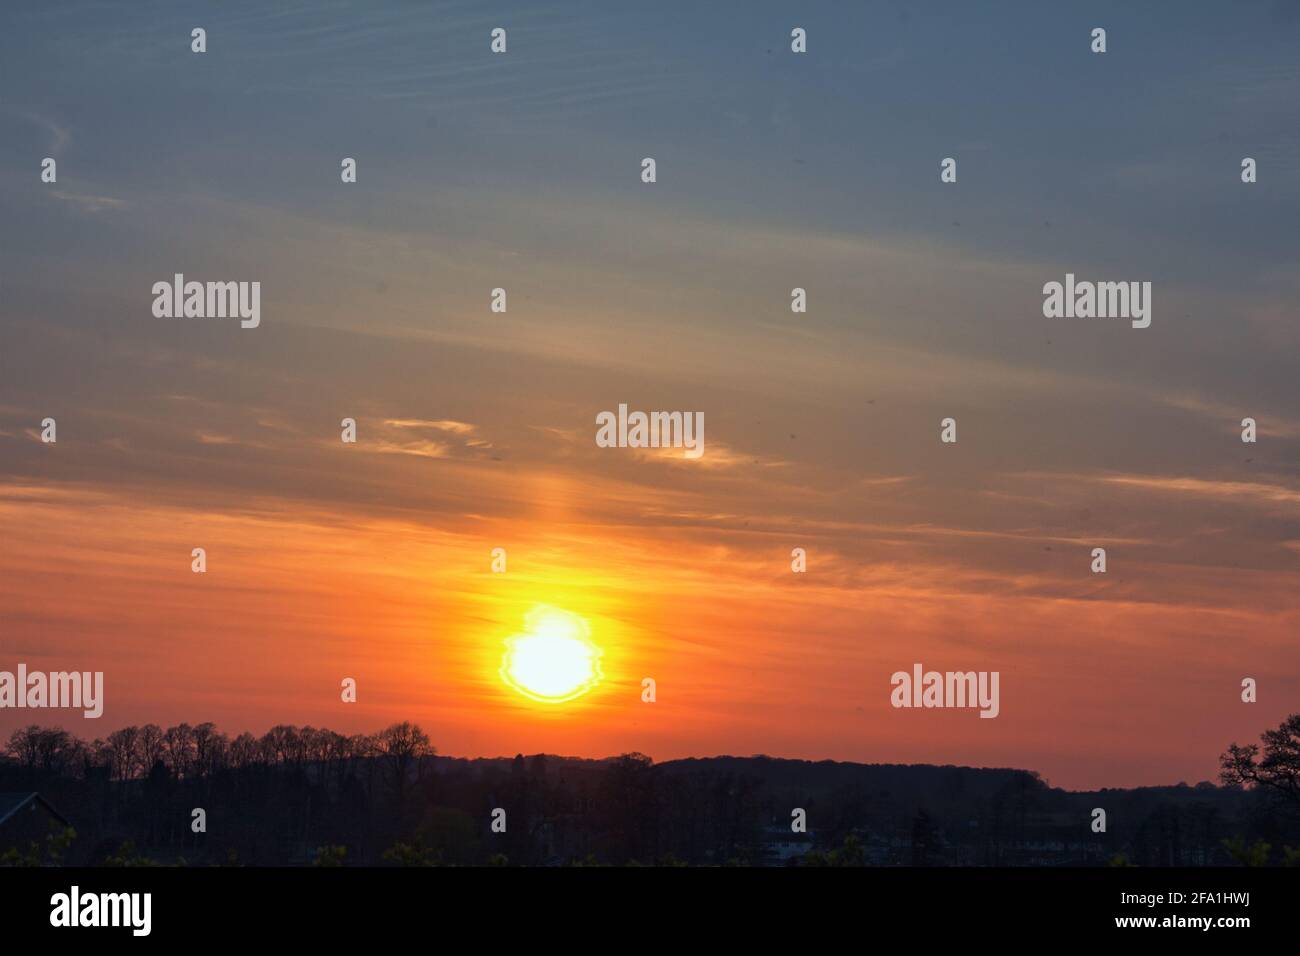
(554, 660)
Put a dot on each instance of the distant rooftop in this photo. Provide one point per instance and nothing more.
(11, 803)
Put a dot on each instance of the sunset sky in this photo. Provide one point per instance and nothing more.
(476, 430)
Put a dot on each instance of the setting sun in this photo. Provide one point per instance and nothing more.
(553, 661)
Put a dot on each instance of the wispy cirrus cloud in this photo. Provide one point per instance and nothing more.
(1249, 492)
(59, 134)
(90, 204)
(428, 438)
(716, 455)
(1229, 417)
(443, 425)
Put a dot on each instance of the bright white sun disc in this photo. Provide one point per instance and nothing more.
(553, 661)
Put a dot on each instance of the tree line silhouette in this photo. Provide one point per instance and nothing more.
(309, 796)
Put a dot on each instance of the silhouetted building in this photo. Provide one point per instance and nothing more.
(26, 818)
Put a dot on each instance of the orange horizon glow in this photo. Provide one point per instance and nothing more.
(293, 604)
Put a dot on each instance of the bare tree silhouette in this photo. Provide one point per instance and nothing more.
(1277, 771)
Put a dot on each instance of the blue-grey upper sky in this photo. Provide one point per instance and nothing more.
(1121, 165)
